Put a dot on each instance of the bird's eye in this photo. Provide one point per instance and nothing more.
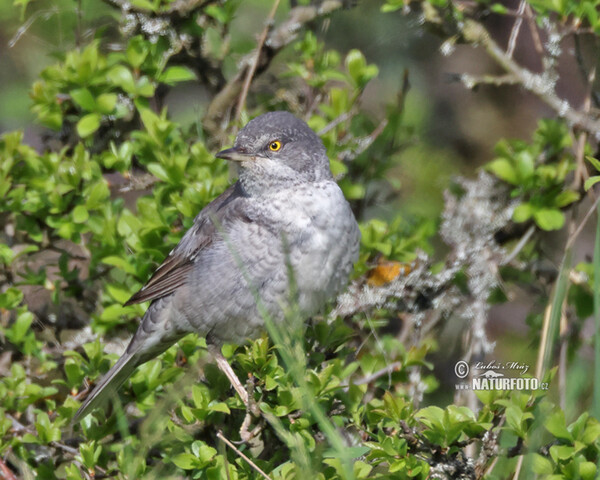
(275, 146)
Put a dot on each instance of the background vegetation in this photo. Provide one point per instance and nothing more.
(463, 132)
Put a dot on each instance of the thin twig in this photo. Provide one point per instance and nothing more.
(579, 228)
(22, 30)
(515, 31)
(392, 367)
(581, 171)
(336, 121)
(522, 242)
(241, 454)
(277, 39)
(471, 81)
(252, 69)
(364, 143)
(535, 34)
(537, 84)
(518, 467)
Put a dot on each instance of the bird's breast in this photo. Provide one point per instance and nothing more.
(318, 236)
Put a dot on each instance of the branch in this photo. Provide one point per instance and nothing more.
(261, 41)
(538, 84)
(276, 40)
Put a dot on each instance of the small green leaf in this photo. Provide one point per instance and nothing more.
(590, 182)
(173, 75)
(358, 69)
(504, 170)
(80, 214)
(549, 218)
(566, 198)
(587, 470)
(186, 461)
(556, 425)
(523, 212)
(137, 51)
(595, 162)
(106, 103)
(561, 452)
(525, 165)
(144, 87)
(541, 465)
(499, 8)
(88, 124)
(84, 99)
(158, 171)
(10, 298)
(119, 262)
(122, 77)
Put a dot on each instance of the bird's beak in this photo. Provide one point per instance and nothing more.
(235, 154)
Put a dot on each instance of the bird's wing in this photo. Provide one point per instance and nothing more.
(174, 271)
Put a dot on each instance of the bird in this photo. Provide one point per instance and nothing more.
(284, 216)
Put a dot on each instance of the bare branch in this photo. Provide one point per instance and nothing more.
(241, 454)
(535, 83)
(516, 29)
(252, 69)
(218, 110)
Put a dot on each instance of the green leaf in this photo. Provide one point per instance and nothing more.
(122, 76)
(203, 452)
(137, 51)
(106, 103)
(541, 465)
(144, 87)
(84, 99)
(561, 452)
(176, 74)
(499, 8)
(88, 124)
(587, 470)
(590, 182)
(358, 69)
(10, 298)
(503, 169)
(566, 198)
(96, 194)
(556, 425)
(595, 162)
(549, 218)
(525, 165)
(119, 262)
(6, 254)
(523, 212)
(80, 214)
(145, 5)
(119, 293)
(186, 461)
(158, 171)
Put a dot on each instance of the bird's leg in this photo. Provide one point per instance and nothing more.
(224, 366)
(252, 438)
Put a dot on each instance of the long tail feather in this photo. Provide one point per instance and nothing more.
(108, 385)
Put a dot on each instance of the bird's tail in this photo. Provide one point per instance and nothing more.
(109, 384)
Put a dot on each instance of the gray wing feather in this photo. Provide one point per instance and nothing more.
(174, 271)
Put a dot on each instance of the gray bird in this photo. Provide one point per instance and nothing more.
(285, 211)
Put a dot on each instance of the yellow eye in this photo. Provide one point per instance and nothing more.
(275, 146)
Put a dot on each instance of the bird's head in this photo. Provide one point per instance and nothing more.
(277, 150)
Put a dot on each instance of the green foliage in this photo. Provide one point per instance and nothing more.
(537, 171)
(116, 183)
